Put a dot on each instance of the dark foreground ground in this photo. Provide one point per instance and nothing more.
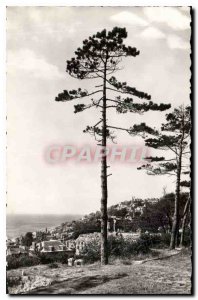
(170, 275)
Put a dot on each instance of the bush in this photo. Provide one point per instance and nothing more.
(156, 240)
(126, 262)
(42, 258)
(117, 247)
(91, 252)
(127, 247)
(13, 281)
(49, 258)
(12, 263)
(53, 266)
(22, 261)
(166, 237)
(28, 261)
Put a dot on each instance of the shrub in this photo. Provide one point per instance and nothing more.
(126, 247)
(13, 281)
(12, 263)
(22, 261)
(45, 258)
(49, 258)
(117, 247)
(126, 262)
(53, 266)
(156, 240)
(166, 237)
(42, 258)
(91, 252)
(28, 261)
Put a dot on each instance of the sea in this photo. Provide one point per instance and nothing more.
(19, 224)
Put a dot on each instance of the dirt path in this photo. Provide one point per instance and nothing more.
(78, 285)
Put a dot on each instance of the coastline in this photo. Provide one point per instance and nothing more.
(19, 224)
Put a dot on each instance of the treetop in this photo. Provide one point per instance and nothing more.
(101, 50)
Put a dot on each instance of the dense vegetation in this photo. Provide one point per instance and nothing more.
(22, 261)
(156, 216)
(29, 261)
(118, 247)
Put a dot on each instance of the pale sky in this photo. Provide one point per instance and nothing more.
(39, 41)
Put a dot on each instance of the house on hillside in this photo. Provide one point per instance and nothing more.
(10, 243)
(16, 251)
(70, 244)
(52, 246)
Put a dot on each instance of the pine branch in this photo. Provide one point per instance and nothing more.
(154, 159)
(143, 128)
(123, 88)
(81, 107)
(162, 141)
(128, 106)
(74, 94)
(161, 170)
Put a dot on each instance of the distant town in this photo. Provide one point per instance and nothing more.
(66, 238)
(71, 238)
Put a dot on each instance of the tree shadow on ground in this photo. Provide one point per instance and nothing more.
(75, 285)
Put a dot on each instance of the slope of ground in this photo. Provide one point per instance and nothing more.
(171, 275)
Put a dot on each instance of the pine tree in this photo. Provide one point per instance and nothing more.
(174, 136)
(98, 58)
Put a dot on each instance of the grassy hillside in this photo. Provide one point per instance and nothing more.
(171, 275)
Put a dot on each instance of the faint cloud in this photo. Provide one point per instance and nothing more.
(175, 42)
(152, 33)
(41, 21)
(27, 62)
(129, 18)
(169, 15)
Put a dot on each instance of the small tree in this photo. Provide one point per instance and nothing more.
(99, 58)
(176, 139)
(28, 239)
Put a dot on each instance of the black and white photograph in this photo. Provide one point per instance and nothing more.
(99, 150)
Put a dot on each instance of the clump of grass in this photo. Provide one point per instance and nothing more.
(186, 251)
(53, 266)
(13, 281)
(126, 262)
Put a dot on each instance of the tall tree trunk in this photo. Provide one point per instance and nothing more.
(185, 215)
(104, 249)
(175, 226)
